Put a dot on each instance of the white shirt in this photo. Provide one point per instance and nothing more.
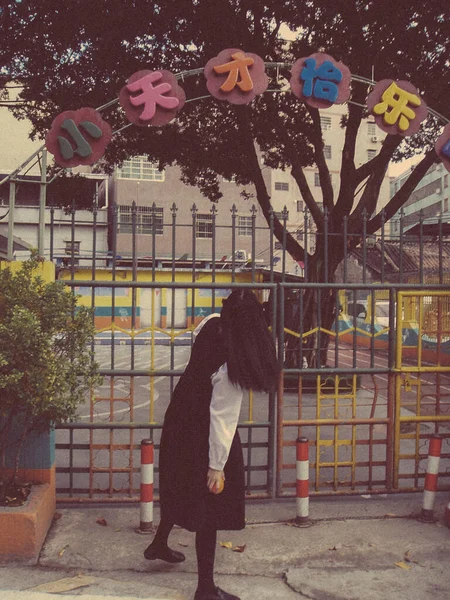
(224, 411)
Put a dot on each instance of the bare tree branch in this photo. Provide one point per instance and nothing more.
(399, 199)
(324, 173)
(296, 165)
(292, 246)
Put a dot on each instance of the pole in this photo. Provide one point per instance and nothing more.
(302, 487)
(431, 477)
(42, 202)
(146, 504)
(12, 204)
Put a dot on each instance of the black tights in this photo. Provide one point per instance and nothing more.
(205, 547)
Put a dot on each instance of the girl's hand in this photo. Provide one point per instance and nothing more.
(215, 480)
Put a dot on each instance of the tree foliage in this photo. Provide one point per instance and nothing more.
(83, 56)
(46, 364)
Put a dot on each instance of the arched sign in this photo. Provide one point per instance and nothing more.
(153, 98)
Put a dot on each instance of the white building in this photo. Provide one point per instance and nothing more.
(285, 192)
(430, 199)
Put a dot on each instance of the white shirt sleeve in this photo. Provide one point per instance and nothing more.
(224, 411)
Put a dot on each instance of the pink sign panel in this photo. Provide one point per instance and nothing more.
(236, 76)
(442, 147)
(320, 81)
(397, 107)
(152, 98)
(78, 137)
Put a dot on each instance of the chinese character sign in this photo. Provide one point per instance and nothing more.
(320, 80)
(78, 137)
(442, 147)
(236, 76)
(397, 107)
(152, 98)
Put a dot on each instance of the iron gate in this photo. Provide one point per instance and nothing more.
(367, 411)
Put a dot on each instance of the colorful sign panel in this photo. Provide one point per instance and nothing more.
(320, 81)
(78, 137)
(151, 98)
(397, 107)
(236, 76)
(442, 147)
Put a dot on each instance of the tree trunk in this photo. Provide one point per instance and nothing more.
(313, 311)
(20, 442)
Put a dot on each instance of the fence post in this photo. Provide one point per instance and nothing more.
(431, 477)
(146, 500)
(302, 483)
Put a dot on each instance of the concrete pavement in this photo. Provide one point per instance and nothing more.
(355, 549)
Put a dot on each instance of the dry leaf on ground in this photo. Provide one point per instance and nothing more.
(239, 548)
(64, 585)
(226, 544)
(408, 558)
(102, 521)
(402, 565)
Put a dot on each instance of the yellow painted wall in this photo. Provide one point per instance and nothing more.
(124, 295)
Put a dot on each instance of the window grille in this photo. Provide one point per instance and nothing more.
(325, 123)
(139, 167)
(245, 226)
(144, 219)
(203, 226)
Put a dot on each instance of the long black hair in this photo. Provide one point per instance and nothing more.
(252, 361)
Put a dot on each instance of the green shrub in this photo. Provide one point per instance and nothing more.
(46, 359)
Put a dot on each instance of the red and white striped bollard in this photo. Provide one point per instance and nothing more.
(431, 477)
(146, 500)
(302, 482)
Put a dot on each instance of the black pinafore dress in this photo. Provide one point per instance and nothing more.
(184, 451)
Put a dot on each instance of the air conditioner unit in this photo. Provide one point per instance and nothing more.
(438, 191)
(375, 138)
(240, 255)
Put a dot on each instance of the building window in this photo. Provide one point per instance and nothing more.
(139, 167)
(325, 122)
(72, 247)
(327, 151)
(371, 154)
(445, 181)
(371, 128)
(299, 205)
(281, 186)
(245, 226)
(145, 217)
(317, 179)
(203, 226)
(445, 204)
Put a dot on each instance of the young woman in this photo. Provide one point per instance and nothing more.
(200, 447)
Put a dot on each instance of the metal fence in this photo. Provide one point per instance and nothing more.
(367, 385)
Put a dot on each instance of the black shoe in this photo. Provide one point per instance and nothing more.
(163, 553)
(217, 595)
